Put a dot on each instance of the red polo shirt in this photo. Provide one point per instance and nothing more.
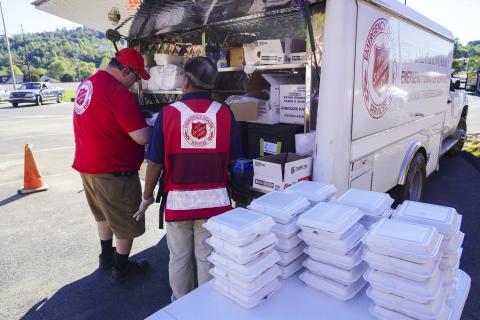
(104, 113)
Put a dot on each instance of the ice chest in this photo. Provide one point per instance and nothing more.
(248, 271)
(278, 172)
(239, 226)
(332, 288)
(373, 203)
(315, 192)
(280, 206)
(332, 218)
(445, 219)
(404, 240)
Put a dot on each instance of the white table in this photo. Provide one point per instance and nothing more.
(294, 300)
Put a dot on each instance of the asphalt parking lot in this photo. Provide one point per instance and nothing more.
(49, 243)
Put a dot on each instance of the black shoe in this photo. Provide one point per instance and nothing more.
(133, 268)
(106, 260)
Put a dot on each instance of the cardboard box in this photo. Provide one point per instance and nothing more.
(292, 103)
(246, 111)
(237, 57)
(298, 57)
(278, 172)
(271, 51)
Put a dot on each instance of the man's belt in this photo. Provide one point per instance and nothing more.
(124, 173)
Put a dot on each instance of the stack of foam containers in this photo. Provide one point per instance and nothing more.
(315, 192)
(333, 235)
(284, 208)
(375, 205)
(244, 260)
(448, 222)
(404, 275)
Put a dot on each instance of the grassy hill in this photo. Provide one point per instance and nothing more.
(62, 54)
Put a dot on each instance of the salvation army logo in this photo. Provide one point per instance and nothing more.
(379, 68)
(83, 97)
(198, 130)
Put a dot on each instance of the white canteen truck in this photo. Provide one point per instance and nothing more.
(377, 75)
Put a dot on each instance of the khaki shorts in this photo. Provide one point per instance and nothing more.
(115, 199)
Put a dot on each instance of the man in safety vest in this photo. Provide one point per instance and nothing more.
(194, 141)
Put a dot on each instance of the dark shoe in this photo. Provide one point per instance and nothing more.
(133, 268)
(106, 260)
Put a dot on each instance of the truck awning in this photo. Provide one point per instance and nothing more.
(140, 19)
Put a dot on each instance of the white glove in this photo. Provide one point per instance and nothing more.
(143, 207)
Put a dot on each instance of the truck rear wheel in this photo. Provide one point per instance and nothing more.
(461, 135)
(414, 186)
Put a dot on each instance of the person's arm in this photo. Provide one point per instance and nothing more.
(151, 179)
(141, 136)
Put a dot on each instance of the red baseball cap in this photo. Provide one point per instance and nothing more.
(134, 60)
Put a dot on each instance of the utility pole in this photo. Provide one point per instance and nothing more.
(8, 48)
(26, 55)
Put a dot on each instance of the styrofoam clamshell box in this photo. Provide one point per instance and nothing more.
(372, 203)
(247, 287)
(347, 261)
(351, 240)
(282, 207)
(285, 230)
(249, 270)
(231, 291)
(445, 219)
(332, 288)
(451, 260)
(429, 311)
(230, 250)
(453, 244)
(380, 312)
(402, 268)
(288, 257)
(292, 268)
(330, 217)
(404, 240)
(421, 291)
(326, 270)
(286, 245)
(239, 226)
(314, 191)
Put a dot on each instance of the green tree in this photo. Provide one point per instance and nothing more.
(86, 69)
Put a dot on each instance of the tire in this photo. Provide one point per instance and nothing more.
(59, 98)
(414, 186)
(15, 105)
(461, 134)
(38, 101)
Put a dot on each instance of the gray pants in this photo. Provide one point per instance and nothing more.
(184, 238)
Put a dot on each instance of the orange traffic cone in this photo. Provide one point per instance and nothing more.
(32, 180)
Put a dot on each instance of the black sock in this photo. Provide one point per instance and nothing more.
(121, 261)
(106, 246)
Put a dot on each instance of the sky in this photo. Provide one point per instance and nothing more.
(459, 16)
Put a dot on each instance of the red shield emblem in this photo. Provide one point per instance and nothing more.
(81, 96)
(199, 130)
(381, 68)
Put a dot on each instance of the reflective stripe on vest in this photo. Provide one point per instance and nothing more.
(198, 130)
(197, 199)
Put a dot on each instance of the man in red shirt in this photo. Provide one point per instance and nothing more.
(110, 134)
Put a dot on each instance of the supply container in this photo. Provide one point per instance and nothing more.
(402, 268)
(294, 266)
(248, 302)
(248, 271)
(288, 257)
(248, 287)
(352, 239)
(332, 218)
(445, 219)
(347, 261)
(239, 226)
(332, 288)
(342, 276)
(387, 314)
(374, 204)
(245, 254)
(404, 240)
(420, 291)
(286, 245)
(282, 207)
(315, 192)
(428, 311)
